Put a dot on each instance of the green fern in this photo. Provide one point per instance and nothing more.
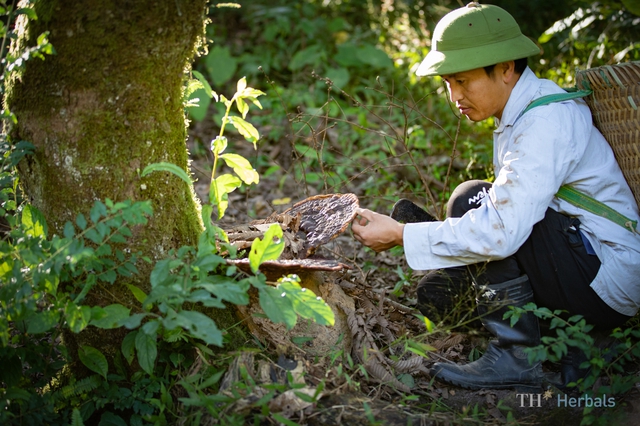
(76, 418)
(81, 387)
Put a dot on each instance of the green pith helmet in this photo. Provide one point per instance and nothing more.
(475, 36)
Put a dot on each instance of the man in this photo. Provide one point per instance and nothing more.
(513, 239)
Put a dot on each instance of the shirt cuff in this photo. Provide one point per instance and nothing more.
(418, 248)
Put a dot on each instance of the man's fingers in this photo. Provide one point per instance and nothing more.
(367, 214)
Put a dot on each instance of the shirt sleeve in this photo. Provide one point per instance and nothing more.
(534, 157)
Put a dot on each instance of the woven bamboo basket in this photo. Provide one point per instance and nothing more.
(615, 105)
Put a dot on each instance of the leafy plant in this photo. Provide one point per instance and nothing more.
(602, 360)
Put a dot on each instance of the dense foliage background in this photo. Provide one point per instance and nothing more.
(340, 111)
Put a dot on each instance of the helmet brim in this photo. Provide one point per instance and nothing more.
(460, 60)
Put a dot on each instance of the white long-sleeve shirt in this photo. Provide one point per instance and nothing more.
(533, 156)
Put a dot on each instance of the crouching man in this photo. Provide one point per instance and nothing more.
(514, 240)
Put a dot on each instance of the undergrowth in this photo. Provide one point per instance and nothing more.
(339, 111)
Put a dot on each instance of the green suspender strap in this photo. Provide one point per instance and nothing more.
(571, 195)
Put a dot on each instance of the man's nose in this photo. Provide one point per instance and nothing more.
(454, 93)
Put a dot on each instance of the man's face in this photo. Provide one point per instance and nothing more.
(477, 95)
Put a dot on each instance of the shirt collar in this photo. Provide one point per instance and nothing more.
(522, 94)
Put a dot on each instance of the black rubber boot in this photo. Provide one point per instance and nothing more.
(504, 364)
(571, 369)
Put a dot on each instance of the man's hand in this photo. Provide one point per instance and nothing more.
(376, 231)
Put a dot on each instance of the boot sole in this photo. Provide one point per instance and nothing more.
(521, 387)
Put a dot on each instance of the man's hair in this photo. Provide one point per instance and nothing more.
(520, 66)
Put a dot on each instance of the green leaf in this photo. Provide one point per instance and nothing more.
(346, 56)
(283, 420)
(42, 321)
(218, 145)
(339, 76)
(133, 321)
(243, 107)
(373, 56)
(161, 273)
(269, 248)
(77, 317)
(241, 84)
(246, 129)
(81, 221)
(250, 94)
(113, 315)
(147, 351)
(76, 418)
(205, 85)
(419, 348)
(228, 289)
(31, 14)
(128, 346)
(110, 419)
(277, 306)
(427, 322)
(137, 293)
(312, 55)
(242, 168)
(198, 104)
(202, 327)
(305, 303)
(192, 85)
(93, 360)
(219, 190)
(167, 167)
(97, 211)
(34, 222)
(220, 65)
(69, 230)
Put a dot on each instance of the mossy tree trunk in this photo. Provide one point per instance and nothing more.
(105, 106)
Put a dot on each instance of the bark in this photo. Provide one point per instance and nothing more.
(105, 106)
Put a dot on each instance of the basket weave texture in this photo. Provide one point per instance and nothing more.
(615, 105)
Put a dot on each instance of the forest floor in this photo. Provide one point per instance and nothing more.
(388, 323)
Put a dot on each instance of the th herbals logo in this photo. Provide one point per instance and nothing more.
(563, 400)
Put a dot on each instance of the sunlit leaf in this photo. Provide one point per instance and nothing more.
(269, 248)
(218, 145)
(242, 168)
(243, 108)
(246, 129)
(34, 222)
(219, 190)
(241, 85)
(137, 293)
(305, 303)
(427, 322)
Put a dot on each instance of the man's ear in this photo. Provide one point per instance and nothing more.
(507, 71)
